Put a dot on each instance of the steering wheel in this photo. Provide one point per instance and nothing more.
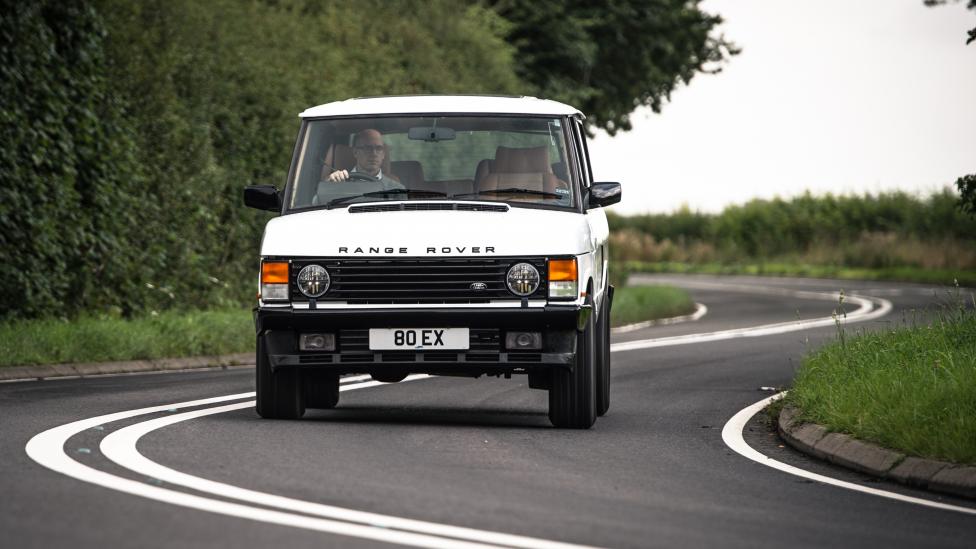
(359, 176)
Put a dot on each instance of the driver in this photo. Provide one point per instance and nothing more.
(369, 152)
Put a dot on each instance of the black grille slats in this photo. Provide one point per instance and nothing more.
(417, 281)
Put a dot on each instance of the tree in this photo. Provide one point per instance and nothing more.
(971, 5)
(608, 58)
(967, 189)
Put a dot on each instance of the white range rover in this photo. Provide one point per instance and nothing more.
(446, 235)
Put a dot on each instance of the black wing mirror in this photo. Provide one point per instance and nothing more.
(604, 194)
(262, 197)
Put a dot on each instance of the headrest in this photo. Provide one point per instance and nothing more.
(530, 160)
(483, 169)
(342, 158)
(410, 172)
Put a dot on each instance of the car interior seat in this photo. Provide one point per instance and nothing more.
(524, 168)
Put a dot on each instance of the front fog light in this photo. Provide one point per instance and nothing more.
(316, 342)
(523, 279)
(523, 340)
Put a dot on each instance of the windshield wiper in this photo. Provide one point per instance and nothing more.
(343, 199)
(510, 190)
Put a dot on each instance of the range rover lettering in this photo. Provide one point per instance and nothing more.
(444, 235)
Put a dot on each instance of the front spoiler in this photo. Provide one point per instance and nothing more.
(279, 327)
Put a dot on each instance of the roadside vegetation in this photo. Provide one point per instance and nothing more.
(165, 335)
(638, 303)
(889, 236)
(911, 387)
(173, 334)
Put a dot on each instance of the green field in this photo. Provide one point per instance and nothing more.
(910, 388)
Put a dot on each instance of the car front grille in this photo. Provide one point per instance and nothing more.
(417, 281)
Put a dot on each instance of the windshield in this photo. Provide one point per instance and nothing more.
(519, 160)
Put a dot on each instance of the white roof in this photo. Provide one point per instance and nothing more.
(421, 104)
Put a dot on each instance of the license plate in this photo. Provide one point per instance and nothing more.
(382, 339)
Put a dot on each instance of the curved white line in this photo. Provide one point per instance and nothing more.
(700, 311)
(47, 449)
(863, 313)
(732, 435)
(120, 447)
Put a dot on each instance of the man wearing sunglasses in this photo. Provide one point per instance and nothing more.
(369, 152)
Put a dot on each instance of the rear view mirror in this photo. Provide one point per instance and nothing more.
(604, 194)
(262, 197)
(430, 133)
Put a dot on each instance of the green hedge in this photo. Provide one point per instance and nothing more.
(763, 229)
(130, 129)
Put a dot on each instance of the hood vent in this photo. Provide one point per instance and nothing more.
(428, 206)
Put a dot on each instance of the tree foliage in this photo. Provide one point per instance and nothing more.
(608, 58)
(130, 128)
(971, 4)
(967, 190)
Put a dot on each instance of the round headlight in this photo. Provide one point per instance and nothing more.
(523, 279)
(313, 280)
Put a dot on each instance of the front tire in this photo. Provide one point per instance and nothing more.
(279, 393)
(603, 362)
(572, 397)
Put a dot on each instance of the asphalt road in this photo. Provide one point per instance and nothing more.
(654, 472)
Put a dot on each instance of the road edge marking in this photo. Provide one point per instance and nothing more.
(47, 449)
(732, 436)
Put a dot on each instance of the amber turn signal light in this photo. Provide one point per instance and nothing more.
(562, 269)
(274, 272)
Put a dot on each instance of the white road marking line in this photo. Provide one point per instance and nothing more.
(732, 435)
(700, 311)
(861, 314)
(47, 449)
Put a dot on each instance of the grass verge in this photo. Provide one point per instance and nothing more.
(638, 303)
(910, 388)
(903, 274)
(166, 335)
(195, 333)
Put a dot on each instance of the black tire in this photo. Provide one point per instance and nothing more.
(279, 394)
(603, 362)
(321, 390)
(572, 397)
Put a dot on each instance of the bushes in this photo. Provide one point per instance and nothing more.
(67, 176)
(130, 128)
(883, 231)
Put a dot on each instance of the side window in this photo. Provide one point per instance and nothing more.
(580, 138)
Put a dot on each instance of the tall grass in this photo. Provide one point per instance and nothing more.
(911, 387)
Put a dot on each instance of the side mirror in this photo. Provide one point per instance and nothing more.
(262, 197)
(604, 194)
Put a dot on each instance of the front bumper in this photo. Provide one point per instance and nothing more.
(281, 326)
